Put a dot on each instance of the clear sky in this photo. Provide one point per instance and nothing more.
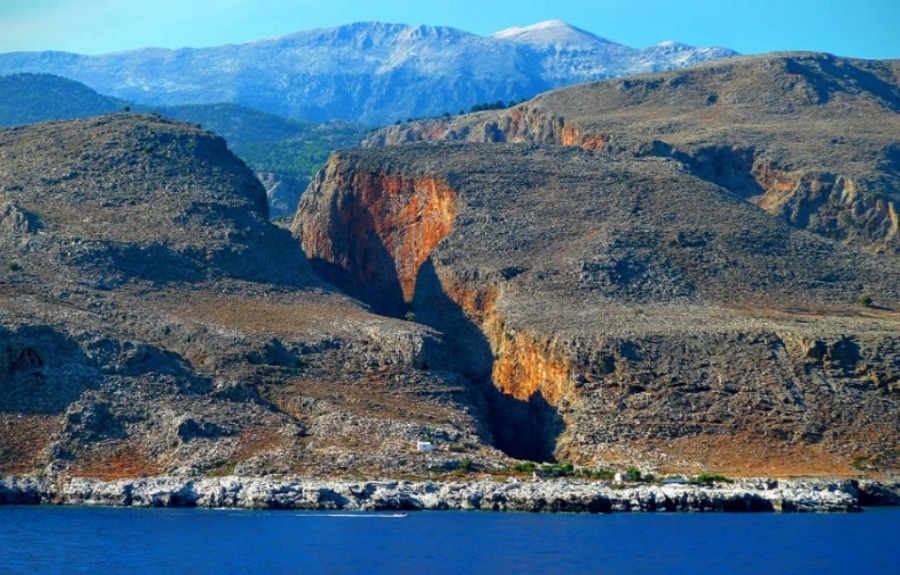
(860, 28)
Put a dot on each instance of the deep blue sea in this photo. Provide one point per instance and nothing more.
(193, 541)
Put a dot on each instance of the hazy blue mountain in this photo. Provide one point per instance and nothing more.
(370, 72)
(29, 98)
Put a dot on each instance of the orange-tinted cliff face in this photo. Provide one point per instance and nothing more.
(832, 205)
(407, 216)
(522, 365)
(610, 387)
(388, 226)
(574, 136)
(525, 367)
(520, 124)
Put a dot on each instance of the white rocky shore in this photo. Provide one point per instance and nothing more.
(557, 495)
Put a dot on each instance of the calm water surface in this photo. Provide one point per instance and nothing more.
(105, 540)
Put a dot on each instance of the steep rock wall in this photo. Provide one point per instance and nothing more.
(524, 123)
(375, 232)
(521, 377)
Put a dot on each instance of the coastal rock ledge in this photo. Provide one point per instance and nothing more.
(539, 496)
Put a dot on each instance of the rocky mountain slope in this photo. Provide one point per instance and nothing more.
(810, 138)
(589, 281)
(284, 153)
(371, 72)
(620, 311)
(153, 321)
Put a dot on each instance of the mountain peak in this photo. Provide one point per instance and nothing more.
(555, 32)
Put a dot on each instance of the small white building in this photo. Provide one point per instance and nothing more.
(618, 477)
(424, 446)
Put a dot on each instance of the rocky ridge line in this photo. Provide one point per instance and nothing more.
(370, 72)
(810, 138)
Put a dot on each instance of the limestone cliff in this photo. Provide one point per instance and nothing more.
(606, 320)
(381, 226)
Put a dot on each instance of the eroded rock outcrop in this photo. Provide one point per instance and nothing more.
(382, 227)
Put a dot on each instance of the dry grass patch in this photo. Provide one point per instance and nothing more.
(22, 438)
(110, 462)
(374, 397)
(747, 454)
(263, 316)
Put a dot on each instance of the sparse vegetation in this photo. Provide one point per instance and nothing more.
(28, 98)
(498, 105)
(561, 470)
(526, 467)
(709, 479)
(223, 470)
(270, 143)
(865, 300)
(859, 463)
(465, 466)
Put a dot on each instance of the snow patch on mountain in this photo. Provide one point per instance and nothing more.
(555, 33)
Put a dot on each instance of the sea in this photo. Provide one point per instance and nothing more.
(61, 540)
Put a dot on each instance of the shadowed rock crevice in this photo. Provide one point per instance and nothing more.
(42, 371)
(523, 428)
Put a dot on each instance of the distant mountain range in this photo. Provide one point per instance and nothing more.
(370, 72)
(29, 98)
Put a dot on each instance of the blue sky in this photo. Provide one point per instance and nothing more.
(860, 28)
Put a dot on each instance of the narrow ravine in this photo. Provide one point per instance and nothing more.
(373, 235)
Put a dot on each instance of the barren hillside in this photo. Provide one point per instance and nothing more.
(153, 321)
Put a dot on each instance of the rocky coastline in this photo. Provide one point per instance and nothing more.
(556, 495)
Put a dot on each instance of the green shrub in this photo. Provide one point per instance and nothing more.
(557, 469)
(526, 467)
(601, 474)
(709, 479)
